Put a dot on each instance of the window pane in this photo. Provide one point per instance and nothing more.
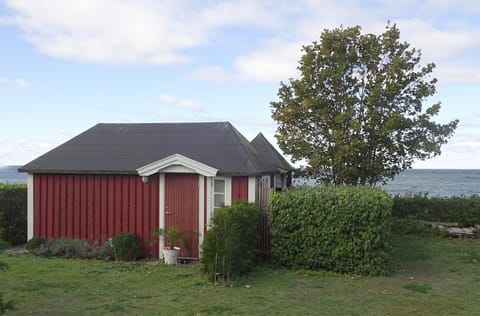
(219, 186)
(218, 199)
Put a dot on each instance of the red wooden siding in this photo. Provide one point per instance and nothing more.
(181, 207)
(239, 189)
(95, 207)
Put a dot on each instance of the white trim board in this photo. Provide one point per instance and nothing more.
(30, 206)
(177, 163)
(161, 217)
(252, 183)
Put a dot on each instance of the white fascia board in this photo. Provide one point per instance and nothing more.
(177, 160)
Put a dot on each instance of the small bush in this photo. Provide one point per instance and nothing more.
(342, 229)
(127, 246)
(462, 210)
(230, 245)
(35, 243)
(13, 213)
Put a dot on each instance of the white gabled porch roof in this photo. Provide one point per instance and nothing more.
(177, 163)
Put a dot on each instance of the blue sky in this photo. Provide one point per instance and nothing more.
(67, 65)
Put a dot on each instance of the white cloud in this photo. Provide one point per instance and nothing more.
(21, 151)
(213, 74)
(20, 83)
(167, 32)
(130, 32)
(278, 61)
(179, 102)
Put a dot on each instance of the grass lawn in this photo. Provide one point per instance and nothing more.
(432, 277)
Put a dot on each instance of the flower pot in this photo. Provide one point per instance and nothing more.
(170, 256)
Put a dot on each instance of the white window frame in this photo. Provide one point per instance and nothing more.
(210, 194)
(216, 193)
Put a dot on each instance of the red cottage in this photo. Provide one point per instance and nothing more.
(140, 177)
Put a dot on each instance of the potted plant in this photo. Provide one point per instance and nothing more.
(174, 239)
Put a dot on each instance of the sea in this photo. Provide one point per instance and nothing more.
(430, 182)
(10, 175)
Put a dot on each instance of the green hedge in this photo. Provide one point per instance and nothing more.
(230, 245)
(462, 210)
(342, 229)
(13, 213)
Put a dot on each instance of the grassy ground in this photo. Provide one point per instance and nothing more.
(433, 277)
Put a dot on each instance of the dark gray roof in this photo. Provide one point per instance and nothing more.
(122, 148)
(268, 153)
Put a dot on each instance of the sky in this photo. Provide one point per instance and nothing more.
(68, 65)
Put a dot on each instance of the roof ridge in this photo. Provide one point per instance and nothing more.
(249, 149)
(274, 151)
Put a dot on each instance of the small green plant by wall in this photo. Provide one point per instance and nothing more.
(229, 249)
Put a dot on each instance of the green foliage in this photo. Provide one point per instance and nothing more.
(3, 245)
(356, 112)
(411, 226)
(35, 243)
(230, 246)
(173, 236)
(342, 229)
(68, 248)
(127, 246)
(462, 210)
(13, 213)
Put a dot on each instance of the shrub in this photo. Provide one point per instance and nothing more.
(342, 229)
(462, 210)
(35, 243)
(230, 245)
(68, 248)
(13, 213)
(127, 246)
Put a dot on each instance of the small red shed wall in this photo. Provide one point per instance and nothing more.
(239, 189)
(95, 207)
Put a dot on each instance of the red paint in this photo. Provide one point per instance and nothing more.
(96, 207)
(239, 189)
(181, 207)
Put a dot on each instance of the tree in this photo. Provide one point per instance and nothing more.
(355, 114)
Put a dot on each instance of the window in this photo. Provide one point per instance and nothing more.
(218, 193)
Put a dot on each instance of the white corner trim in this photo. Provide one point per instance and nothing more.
(161, 217)
(30, 206)
(228, 191)
(177, 160)
(209, 200)
(201, 211)
(252, 183)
